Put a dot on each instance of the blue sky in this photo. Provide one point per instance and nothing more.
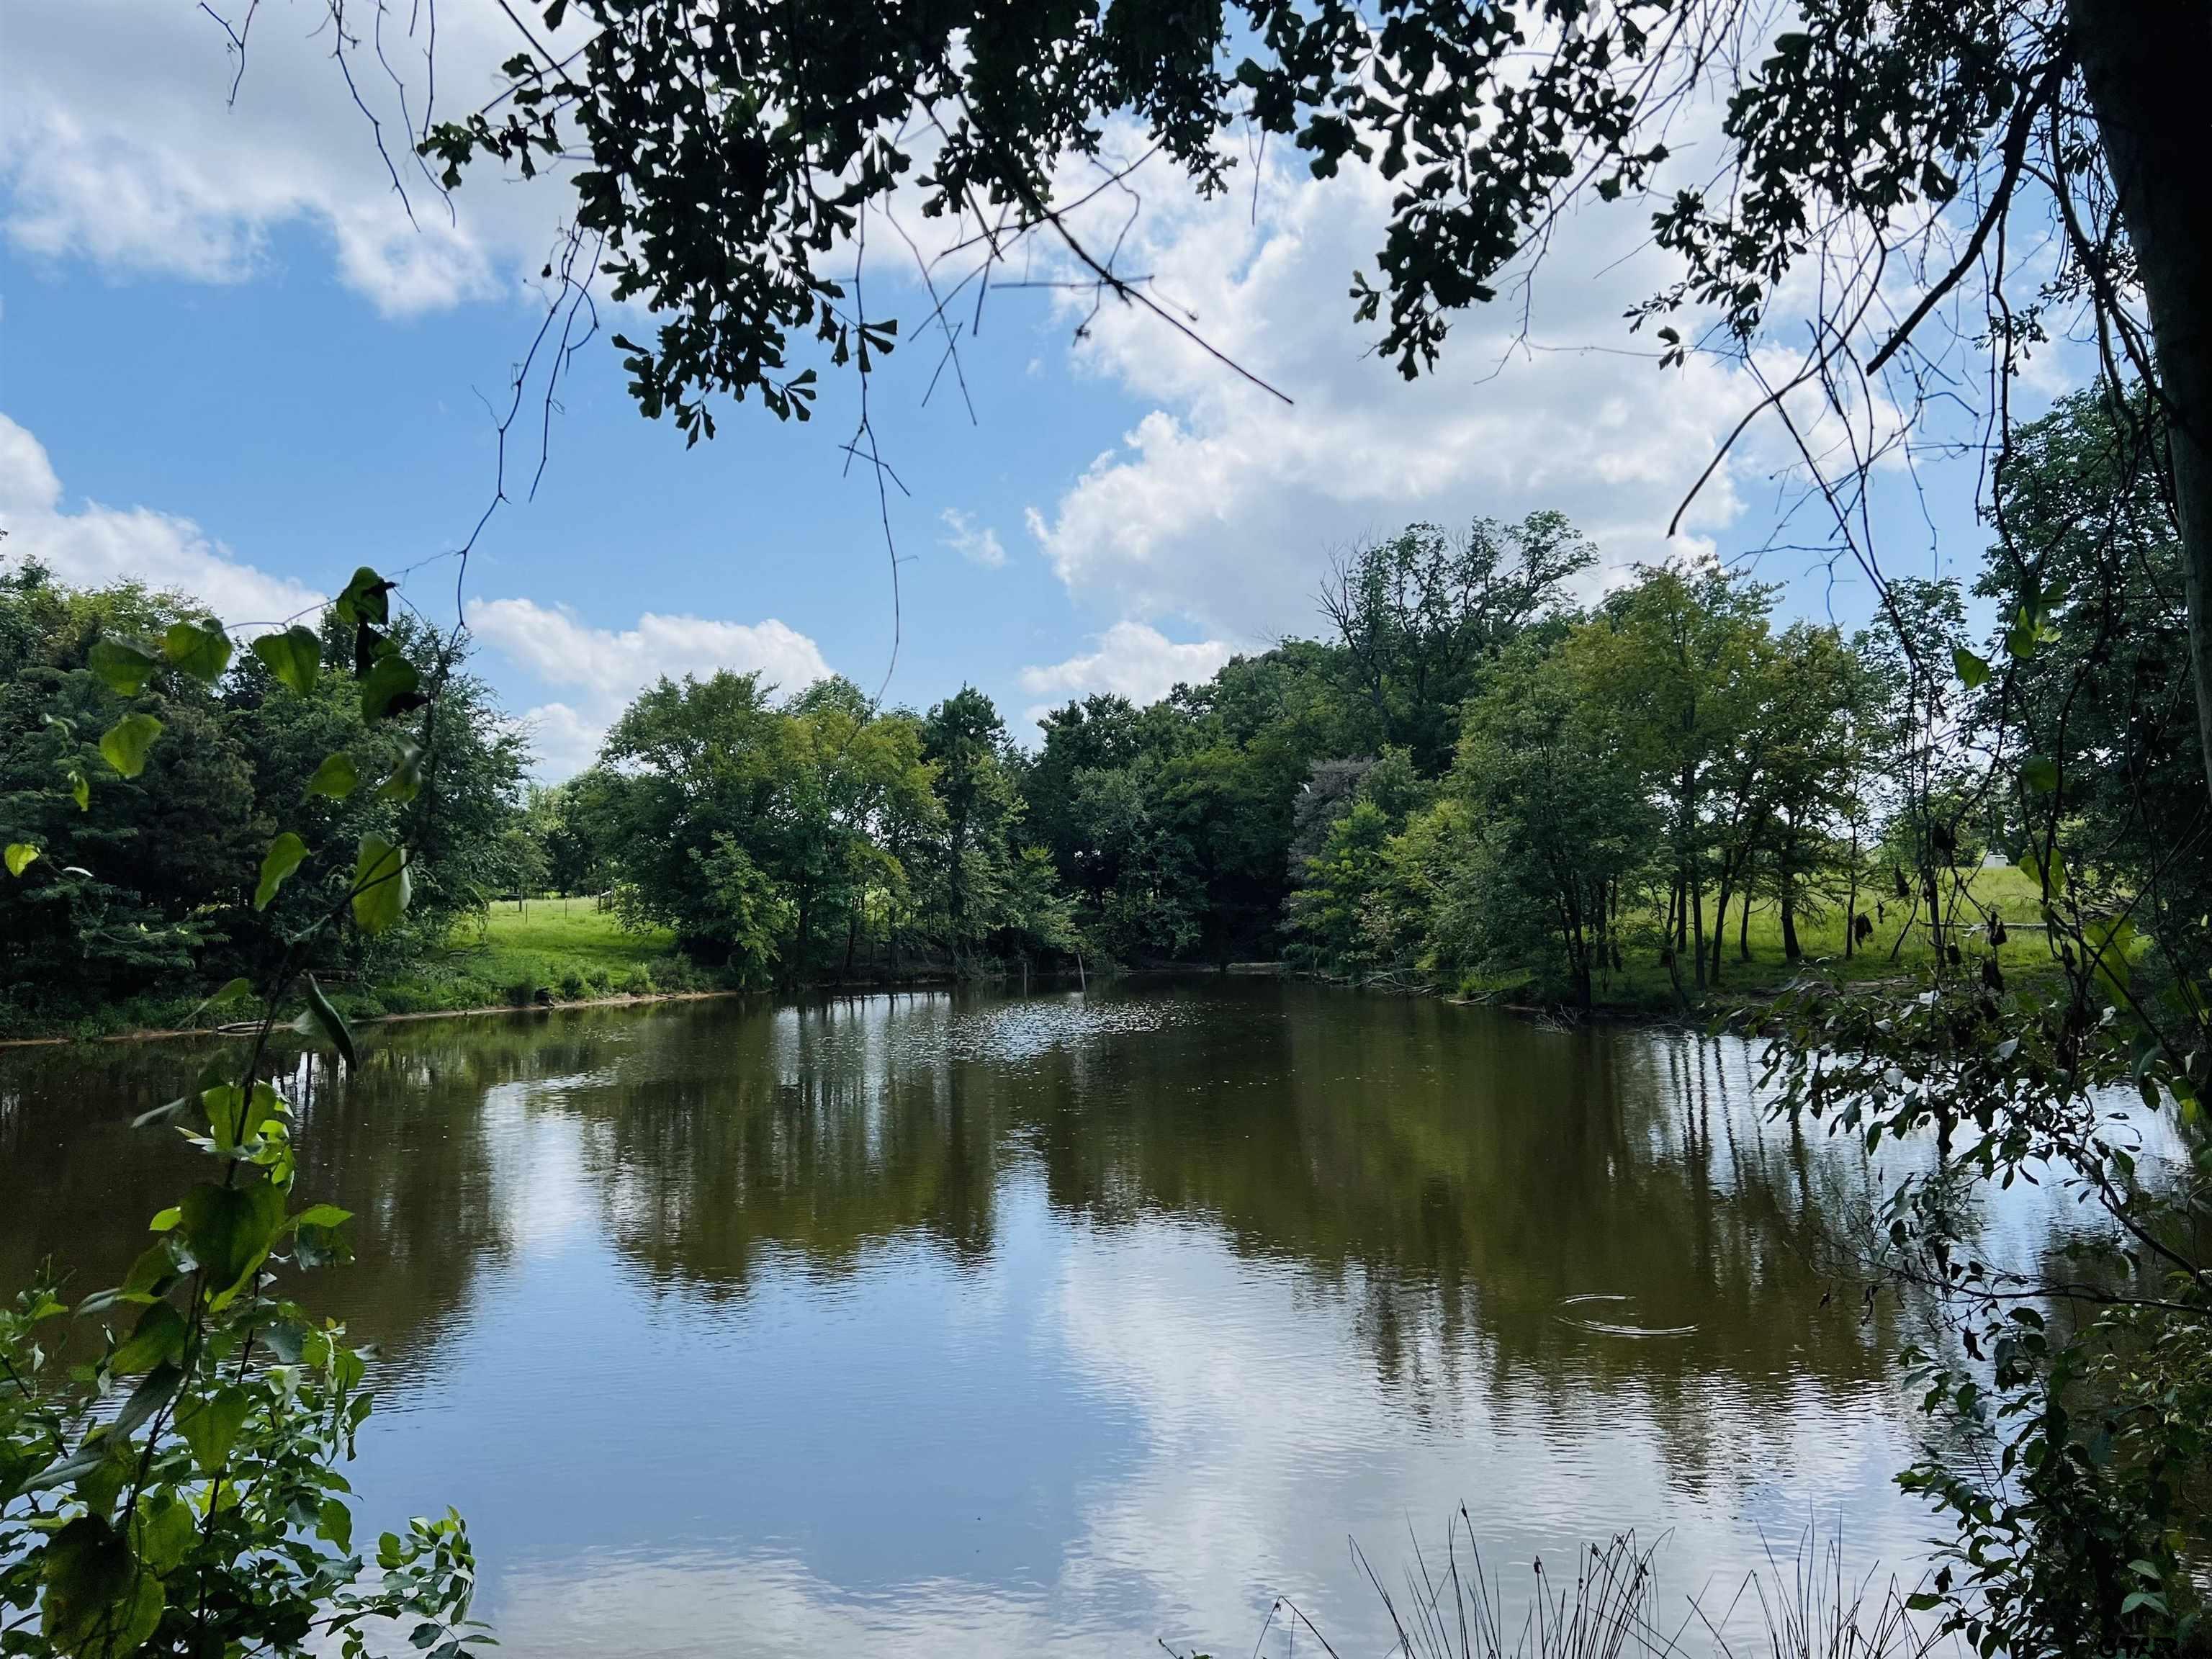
(228, 362)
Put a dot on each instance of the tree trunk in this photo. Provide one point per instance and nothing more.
(1743, 928)
(1788, 900)
(1720, 926)
(1851, 903)
(1697, 924)
(2143, 63)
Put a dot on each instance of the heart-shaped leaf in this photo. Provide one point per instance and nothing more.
(126, 742)
(122, 667)
(283, 857)
(392, 687)
(336, 777)
(200, 648)
(294, 657)
(381, 884)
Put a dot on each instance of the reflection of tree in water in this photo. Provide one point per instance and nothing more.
(402, 1147)
(1450, 1174)
(818, 1130)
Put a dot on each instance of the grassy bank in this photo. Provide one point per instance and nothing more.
(1643, 985)
(565, 948)
(517, 955)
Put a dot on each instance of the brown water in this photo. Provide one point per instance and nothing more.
(977, 1325)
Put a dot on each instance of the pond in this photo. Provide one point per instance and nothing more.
(1068, 1323)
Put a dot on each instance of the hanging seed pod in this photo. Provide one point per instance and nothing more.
(1992, 975)
(1997, 929)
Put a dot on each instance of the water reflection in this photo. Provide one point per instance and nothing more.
(1058, 1322)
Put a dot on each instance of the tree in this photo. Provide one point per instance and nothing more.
(964, 739)
(689, 803)
(166, 1494)
(1862, 139)
(1558, 809)
(151, 881)
(1419, 615)
(1675, 655)
(1814, 765)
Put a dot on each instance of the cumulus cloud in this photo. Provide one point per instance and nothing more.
(607, 667)
(118, 144)
(1132, 659)
(1222, 504)
(93, 544)
(977, 544)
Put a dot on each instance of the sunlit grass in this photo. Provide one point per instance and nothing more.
(1642, 983)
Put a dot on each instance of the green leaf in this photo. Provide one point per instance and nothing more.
(320, 1017)
(334, 1525)
(210, 1424)
(2040, 774)
(392, 687)
(2052, 876)
(100, 1601)
(229, 1230)
(19, 856)
(127, 741)
(294, 657)
(364, 599)
(406, 780)
(201, 649)
(159, 1336)
(164, 1220)
(166, 1532)
(153, 1272)
(231, 991)
(381, 884)
(122, 667)
(336, 777)
(322, 1215)
(2111, 940)
(225, 1105)
(80, 788)
(1971, 669)
(283, 857)
(2150, 1599)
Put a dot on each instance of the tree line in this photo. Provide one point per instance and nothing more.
(153, 880)
(1475, 780)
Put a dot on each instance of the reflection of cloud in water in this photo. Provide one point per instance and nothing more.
(1263, 1453)
(673, 1606)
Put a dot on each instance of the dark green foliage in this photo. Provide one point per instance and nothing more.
(180, 1493)
(154, 840)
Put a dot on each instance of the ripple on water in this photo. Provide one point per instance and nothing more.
(1613, 1327)
(1024, 1030)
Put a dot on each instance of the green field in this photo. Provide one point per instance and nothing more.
(1644, 985)
(568, 948)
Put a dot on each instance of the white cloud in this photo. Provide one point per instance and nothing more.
(1223, 504)
(94, 545)
(977, 544)
(1137, 661)
(118, 144)
(609, 667)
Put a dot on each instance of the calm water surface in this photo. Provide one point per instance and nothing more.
(1062, 1323)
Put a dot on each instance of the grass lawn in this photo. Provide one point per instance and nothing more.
(1644, 983)
(567, 947)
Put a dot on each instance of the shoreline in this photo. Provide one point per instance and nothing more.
(175, 1034)
(1563, 1015)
